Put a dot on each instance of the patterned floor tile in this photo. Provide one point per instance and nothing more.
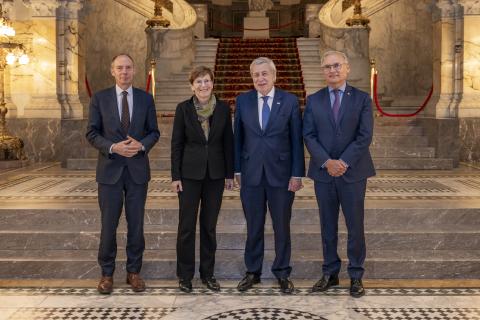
(264, 314)
(90, 313)
(420, 313)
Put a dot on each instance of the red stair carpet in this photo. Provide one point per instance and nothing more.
(232, 66)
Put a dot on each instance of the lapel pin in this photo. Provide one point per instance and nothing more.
(348, 93)
(278, 102)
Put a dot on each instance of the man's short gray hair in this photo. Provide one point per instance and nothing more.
(263, 60)
(336, 53)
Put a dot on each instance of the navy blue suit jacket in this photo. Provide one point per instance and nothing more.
(104, 129)
(348, 140)
(277, 150)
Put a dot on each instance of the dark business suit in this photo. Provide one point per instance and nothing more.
(267, 159)
(120, 177)
(202, 166)
(347, 139)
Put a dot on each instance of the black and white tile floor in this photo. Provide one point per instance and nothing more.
(167, 303)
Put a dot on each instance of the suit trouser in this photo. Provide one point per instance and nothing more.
(254, 201)
(351, 197)
(110, 199)
(210, 193)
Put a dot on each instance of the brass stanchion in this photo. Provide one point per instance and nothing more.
(158, 20)
(358, 19)
(153, 65)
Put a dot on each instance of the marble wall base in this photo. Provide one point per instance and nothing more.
(443, 135)
(469, 140)
(50, 139)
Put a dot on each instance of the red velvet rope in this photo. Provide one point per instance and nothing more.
(231, 26)
(149, 80)
(379, 108)
(87, 85)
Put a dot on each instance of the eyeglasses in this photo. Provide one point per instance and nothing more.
(335, 66)
(204, 82)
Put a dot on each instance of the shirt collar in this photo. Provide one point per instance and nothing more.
(120, 90)
(271, 94)
(342, 88)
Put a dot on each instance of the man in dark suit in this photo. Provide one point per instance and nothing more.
(269, 164)
(338, 129)
(122, 125)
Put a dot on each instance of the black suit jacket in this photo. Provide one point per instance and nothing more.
(104, 129)
(192, 154)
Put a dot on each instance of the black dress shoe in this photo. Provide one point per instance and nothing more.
(185, 285)
(325, 283)
(286, 285)
(248, 281)
(356, 288)
(211, 283)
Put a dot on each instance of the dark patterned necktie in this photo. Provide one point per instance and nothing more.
(265, 112)
(125, 113)
(336, 104)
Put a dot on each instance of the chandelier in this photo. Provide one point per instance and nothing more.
(6, 29)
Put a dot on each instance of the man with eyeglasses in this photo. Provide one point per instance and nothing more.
(337, 130)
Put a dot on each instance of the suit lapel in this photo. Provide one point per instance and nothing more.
(327, 106)
(345, 102)
(114, 107)
(213, 123)
(192, 115)
(135, 110)
(253, 111)
(276, 105)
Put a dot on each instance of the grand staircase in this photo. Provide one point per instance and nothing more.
(234, 56)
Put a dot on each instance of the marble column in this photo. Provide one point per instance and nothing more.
(470, 104)
(202, 20)
(41, 100)
(444, 102)
(71, 67)
(311, 19)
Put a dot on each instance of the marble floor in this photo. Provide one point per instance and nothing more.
(422, 300)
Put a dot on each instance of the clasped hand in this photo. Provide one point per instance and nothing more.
(127, 148)
(335, 168)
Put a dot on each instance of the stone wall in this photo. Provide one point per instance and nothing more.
(401, 43)
(111, 28)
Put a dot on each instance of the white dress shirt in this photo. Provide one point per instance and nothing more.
(270, 95)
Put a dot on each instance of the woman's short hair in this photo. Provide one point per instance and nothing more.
(200, 71)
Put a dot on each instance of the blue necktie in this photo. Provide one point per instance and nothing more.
(265, 112)
(336, 104)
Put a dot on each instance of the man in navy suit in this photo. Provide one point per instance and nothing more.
(269, 165)
(338, 129)
(122, 125)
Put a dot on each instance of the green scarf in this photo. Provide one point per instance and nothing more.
(204, 113)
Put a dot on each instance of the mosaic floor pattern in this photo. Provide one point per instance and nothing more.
(167, 303)
(384, 186)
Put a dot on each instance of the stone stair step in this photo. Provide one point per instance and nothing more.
(382, 140)
(161, 237)
(398, 130)
(91, 164)
(413, 163)
(402, 152)
(306, 264)
(384, 218)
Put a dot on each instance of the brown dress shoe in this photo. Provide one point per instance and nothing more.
(136, 282)
(105, 286)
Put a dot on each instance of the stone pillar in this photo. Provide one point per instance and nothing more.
(202, 20)
(40, 99)
(70, 70)
(470, 104)
(311, 19)
(444, 102)
(222, 2)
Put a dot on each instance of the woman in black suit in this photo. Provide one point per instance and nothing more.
(202, 166)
